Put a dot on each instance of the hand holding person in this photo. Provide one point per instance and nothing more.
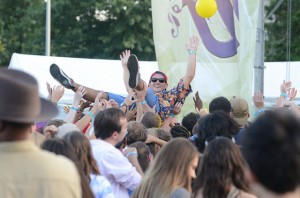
(80, 92)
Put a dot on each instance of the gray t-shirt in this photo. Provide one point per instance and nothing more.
(180, 193)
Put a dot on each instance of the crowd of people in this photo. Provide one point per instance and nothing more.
(110, 146)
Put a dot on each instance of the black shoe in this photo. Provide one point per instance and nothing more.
(61, 77)
(133, 68)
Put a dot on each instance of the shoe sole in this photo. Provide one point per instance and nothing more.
(58, 75)
(133, 68)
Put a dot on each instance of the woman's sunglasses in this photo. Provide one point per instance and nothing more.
(161, 80)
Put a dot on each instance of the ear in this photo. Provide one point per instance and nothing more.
(114, 135)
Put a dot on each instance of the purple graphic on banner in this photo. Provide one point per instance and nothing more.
(222, 49)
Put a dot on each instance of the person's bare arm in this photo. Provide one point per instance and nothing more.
(191, 47)
(132, 156)
(284, 88)
(76, 101)
(141, 95)
(124, 59)
(153, 139)
(99, 105)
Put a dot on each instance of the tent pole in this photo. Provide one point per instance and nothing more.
(259, 52)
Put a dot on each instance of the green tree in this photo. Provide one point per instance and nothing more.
(21, 28)
(275, 46)
(86, 29)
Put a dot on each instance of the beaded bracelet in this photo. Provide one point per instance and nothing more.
(90, 114)
(132, 153)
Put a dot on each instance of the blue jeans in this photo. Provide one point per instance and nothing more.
(150, 98)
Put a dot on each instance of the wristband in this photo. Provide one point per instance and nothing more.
(192, 52)
(144, 102)
(90, 114)
(257, 113)
(284, 95)
(132, 153)
(74, 108)
(171, 114)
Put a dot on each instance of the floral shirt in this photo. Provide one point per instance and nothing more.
(168, 99)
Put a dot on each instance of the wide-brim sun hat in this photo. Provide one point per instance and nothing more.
(19, 99)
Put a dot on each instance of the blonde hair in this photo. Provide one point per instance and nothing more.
(169, 170)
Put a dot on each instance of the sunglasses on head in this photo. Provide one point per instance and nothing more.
(161, 80)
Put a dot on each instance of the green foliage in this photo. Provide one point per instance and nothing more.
(275, 46)
(21, 28)
(86, 29)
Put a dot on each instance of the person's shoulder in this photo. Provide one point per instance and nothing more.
(180, 193)
(244, 194)
(51, 163)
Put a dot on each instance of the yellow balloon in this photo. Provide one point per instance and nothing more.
(206, 8)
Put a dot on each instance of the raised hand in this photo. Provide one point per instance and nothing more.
(292, 93)
(113, 103)
(285, 86)
(128, 100)
(49, 89)
(131, 113)
(258, 100)
(57, 93)
(84, 104)
(192, 44)
(79, 94)
(197, 101)
(124, 58)
(177, 108)
(142, 94)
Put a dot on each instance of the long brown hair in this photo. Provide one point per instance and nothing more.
(169, 170)
(83, 150)
(62, 147)
(221, 166)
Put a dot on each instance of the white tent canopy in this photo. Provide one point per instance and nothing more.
(104, 75)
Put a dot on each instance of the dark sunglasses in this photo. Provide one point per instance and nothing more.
(161, 80)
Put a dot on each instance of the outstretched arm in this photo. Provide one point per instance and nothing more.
(124, 59)
(191, 47)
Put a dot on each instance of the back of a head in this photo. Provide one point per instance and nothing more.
(189, 120)
(151, 120)
(222, 165)
(62, 147)
(180, 131)
(217, 123)
(220, 103)
(66, 128)
(55, 122)
(144, 154)
(271, 147)
(82, 147)
(169, 169)
(160, 133)
(136, 132)
(240, 110)
(106, 122)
